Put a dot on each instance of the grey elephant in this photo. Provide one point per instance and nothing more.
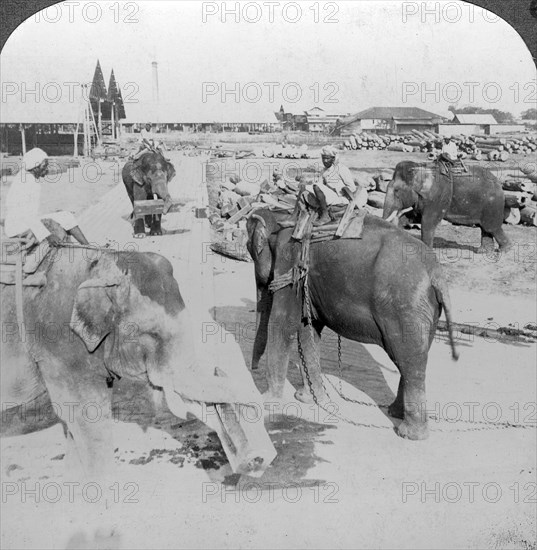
(144, 179)
(105, 314)
(470, 198)
(366, 289)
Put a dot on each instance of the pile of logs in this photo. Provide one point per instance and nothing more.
(236, 201)
(520, 198)
(374, 142)
(477, 147)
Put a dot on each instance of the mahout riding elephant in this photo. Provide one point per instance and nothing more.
(101, 316)
(435, 193)
(146, 178)
(385, 288)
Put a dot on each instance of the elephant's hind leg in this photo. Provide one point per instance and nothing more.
(503, 240)
(409, 353)
(487, 243)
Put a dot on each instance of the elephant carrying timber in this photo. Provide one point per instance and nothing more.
(104, 312)
(472, 198)
(385, 288)
(147, 178)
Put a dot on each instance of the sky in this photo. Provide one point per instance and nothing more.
(341, 56)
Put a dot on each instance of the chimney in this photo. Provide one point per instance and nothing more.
(154, 66)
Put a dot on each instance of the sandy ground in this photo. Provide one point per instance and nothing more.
(333, 484)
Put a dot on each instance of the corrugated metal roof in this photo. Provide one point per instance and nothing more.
(395, 112)
(474, 119)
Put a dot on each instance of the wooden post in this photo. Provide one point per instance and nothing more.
(113, 121)
(23, 139)
(99, 122)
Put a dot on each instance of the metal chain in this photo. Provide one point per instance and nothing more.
(482, 425)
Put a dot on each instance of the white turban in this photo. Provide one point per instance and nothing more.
(33, 158)
(328, 151)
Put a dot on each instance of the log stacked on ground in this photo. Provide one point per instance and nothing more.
(478, 147)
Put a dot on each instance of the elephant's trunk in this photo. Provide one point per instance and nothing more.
(159, 186)
(186, 379)
(264, 306)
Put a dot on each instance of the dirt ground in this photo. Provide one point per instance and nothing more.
(333, 484)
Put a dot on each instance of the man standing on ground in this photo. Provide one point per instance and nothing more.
(22, 203)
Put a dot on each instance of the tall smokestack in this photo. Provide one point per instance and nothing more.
(154, 66)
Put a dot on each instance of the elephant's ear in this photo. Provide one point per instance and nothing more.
(93, 311)
(138, 176)
(257, 235)
(425, 182)
(171, 171)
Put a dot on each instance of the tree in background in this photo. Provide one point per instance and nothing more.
(530, 114)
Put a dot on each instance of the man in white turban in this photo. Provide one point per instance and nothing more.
(22, 203)
(337, 187)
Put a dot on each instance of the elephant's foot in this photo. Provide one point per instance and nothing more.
(304, 395)
(413, 430)
(155, 232)
(139, 235)
(396, 410)
(506, 248)
(486, 250)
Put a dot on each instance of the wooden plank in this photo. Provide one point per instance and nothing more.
(240, 214)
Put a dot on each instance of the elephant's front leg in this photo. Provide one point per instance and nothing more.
(85, 404)
(310, 365)
(429, 222)
(281, 335)
(156, 228)
(139, 226)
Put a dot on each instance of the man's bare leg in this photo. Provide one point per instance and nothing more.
(325, 216)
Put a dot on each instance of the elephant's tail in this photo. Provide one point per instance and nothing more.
(442, 295)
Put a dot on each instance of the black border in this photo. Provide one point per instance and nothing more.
(520, 14)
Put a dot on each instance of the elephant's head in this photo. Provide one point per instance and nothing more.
(130, 315)
(154, 173)
(411, 186)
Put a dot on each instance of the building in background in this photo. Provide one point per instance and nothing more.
(315, 119)
(388, 120)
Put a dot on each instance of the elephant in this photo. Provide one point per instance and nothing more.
(472, 198)
(144, 179)
(103, 315)
(384, 288)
